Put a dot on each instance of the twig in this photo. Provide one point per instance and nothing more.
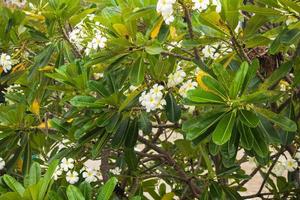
(194, 188)
(176, 55)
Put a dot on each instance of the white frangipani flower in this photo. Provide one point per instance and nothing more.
(153, 99)
(99, 41)
(291, 165)
(200, 5)
(72, 177)
(279, 168)
(5, 62)
(218, 5)
(189, 85)
(116, 171)
(58, 172)
(89, 175)
(176, 78)
(165, 8)
(2, 163)
(67, 164)
(174, 44)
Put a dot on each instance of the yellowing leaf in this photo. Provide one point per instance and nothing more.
(18, 67)
(156, 28)
(35, 107)
(121, 29)
(168, 196)
(173, 33)
(19, 165)
(43, 125)
(47, 68)
(199, 80)
(34, 16)
(70, 120)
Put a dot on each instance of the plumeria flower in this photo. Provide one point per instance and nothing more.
(2, 163)
(291, 165)
(209, 52)
(176, 78)
(278, 169)
(218, 5)
(154, 99)
(165, 8)
(174, 44)
(99, 41)
(72, 177)
(5, 62)
(89, 175)
(297, 156)
(156, 90)
(200, 5)
(189, 85)
(58, 172)
(116, 171)
(67, 164)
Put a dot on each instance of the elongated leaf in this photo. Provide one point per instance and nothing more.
(214, 86)
(34, 175)
(238, 81)
(85, 101)
(277, 75)
(132, 133)
(74, 193)
(131, 159)
(246, 136)
(260, 145)
(280, 120)
(197, 126)
(120, 134)
(201, 96)
(145, 123)
(137, 72)
(249, 118)
(224, 128)
(261, 96)
(172, 109)
(230, 9)
(98, 87)
(13, 184)
(261, 10)
(107, 189)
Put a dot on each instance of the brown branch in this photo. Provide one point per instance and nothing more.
(166, 53)
(194, 188)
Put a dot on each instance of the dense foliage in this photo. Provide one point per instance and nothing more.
(169, 99)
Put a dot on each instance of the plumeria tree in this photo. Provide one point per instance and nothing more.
(154, 99)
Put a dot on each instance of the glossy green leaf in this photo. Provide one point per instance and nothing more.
(137, 72)
(247, 137)
(172, 109)
(260, 146)
(13, 184)
(204, 97)
(280, 120)
(34, 174)
(238, 81)
(107, 189)
(224, 128)
(249, 118)
(74, 193)
(230, 9)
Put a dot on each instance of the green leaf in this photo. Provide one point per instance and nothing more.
(280, 120)
(11, 196)
(86, 190)
(224, 128)
(74, 193)
(13, 184)
(129, 99)
(107, 189)
(137, 72)
(132, 134)
(173, 110)
(261, 10)
(34, 175)
(47, 179)
(120, 134)
(253, 25)
(230, 9)
(214, 85)
(249, 118)
(85, 101)
(247, 137)
(153, 50)
(131, 159)
(261, 96)
(260, 146)
(197, 126)
(238, 81)
(277, 75)
(201, 96)
(145, 123)
(98, 87)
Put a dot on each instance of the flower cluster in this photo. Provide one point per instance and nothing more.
(290, 164)
(165, 8)
(72, 176)
(202, 5)
(17, 3)
(5, 62)
(189, 85)
(212, 51)
(176, 77)
(82, 38)
(153, 99)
